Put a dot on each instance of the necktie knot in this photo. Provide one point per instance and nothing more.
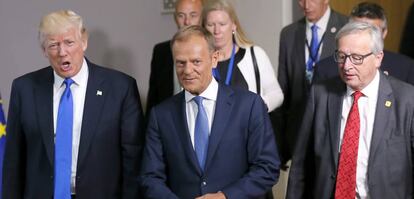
(198, 100)
(314, 28)
(357, 95)
(68, 82)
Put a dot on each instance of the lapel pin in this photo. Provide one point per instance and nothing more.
(333, 30)
(99, 93)
(386, 72)
(388, 103)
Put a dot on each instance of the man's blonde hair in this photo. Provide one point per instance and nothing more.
(59, 22)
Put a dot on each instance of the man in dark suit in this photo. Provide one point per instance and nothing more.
(407, 40)
(163, 82)
(74, 127)
(221, 147)
(396, 65)
(296, 65)
(357, 136)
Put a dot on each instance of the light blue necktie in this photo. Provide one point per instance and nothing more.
(201, 132)
(313, 53)
(63, 144)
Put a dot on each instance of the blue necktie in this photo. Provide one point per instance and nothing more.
(63, 144)
(313, 53)
(201, 132)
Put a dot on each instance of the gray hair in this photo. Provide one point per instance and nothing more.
(353, 27)
(195, 30)
(59, 22)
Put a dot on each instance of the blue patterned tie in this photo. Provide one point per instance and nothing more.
(313, 54)
(63, 144)
(201, 132)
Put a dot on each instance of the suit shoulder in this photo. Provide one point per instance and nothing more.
(169, 103)
(34, 76)
(240, 94)
(341, 19)
(401, 88)
(397, 58)
(110, 74)
(289, 29)
(163, 46)
(329, 85)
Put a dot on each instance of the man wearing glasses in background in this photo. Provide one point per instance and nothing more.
(356, 139)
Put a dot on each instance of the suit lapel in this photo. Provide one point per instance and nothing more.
(92, 109)
(382, 115)
(299, 49)
(182, 130)
(329, 38)
(222, 114)
(43, 94)
(335, 100)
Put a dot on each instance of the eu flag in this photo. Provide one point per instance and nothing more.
(2, 140)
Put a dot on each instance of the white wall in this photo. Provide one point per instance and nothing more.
(122, 33)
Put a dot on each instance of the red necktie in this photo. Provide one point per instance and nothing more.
(346, 178)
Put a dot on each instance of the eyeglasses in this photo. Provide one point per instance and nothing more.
(357, 59)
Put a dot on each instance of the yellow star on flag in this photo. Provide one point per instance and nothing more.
(2, 130)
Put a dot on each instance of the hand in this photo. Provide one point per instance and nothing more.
(218, 195)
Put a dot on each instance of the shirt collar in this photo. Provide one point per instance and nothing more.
(322, 23)
(80, 78)
(210, 93)
(370, 91)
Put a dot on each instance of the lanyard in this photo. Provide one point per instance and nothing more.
(230, 67)
(314, 59)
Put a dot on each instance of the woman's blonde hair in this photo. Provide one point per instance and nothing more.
(224, 5)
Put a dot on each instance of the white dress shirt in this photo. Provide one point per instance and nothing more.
(322, 25)
(78, 89)
(367, 107)
(209, 103)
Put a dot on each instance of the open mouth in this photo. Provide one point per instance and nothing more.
(66, 66)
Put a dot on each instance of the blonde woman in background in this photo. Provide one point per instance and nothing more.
(236, 66)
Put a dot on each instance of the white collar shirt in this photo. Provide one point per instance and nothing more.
(367, 107)
(209, 102)
(78, 89)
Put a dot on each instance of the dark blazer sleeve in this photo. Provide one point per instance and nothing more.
(132, 141)
(161, 82)
(153, 172)
(302, 159)
(263, 158)
(407, 40)
(13, 162)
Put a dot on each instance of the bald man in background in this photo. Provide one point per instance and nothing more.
(163, 82)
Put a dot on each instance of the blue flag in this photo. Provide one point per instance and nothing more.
(2, 141)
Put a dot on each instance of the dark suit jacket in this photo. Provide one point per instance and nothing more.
(242, 159)
(390, 165)
(407, 40)
(396, 65)
(110, 142)
(291, 76)
(161, 83)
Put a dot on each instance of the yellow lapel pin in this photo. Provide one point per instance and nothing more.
(388, 103)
